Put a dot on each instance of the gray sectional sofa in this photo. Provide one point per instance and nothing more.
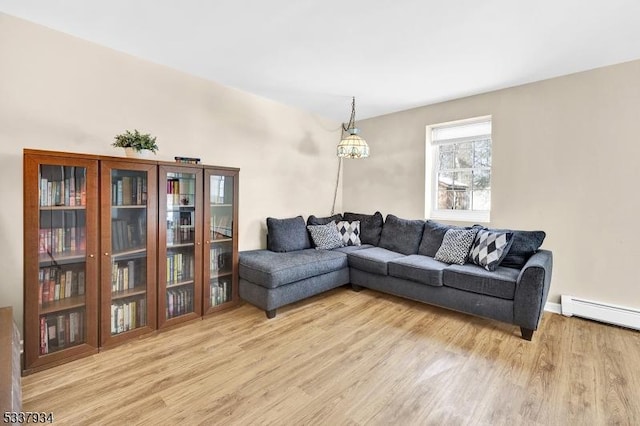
(404, 258)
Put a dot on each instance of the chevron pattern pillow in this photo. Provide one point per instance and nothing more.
(455, 246)
(490, 248)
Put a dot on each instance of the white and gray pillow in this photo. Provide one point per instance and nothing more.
(456, 245)
(350, 232)
(325, 237)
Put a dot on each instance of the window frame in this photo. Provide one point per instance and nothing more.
(431, 170)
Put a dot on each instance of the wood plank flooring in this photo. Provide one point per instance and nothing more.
(353, 358)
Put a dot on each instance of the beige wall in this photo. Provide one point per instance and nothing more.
(565, 160)
(61, 93)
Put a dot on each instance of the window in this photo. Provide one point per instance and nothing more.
(458, 173)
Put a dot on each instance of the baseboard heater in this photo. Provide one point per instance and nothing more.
(603, 312)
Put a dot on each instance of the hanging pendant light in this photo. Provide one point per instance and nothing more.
(352, 146)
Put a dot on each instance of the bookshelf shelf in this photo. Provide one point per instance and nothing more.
(62, 207)
(134, 253)
(221, 240)
(132, 292)
(60, 259)
(221, 205)
(180, 284)
(130, 206)
(62, 305)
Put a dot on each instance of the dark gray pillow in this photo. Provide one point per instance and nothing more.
(432, 237)
(524, 245)
(313, 220)
(370, 226)
(287, 234)
(401, 235)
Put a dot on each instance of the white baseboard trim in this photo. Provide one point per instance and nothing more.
(556, 308)
(599, 311)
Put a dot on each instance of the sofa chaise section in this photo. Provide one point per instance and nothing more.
(271, 279)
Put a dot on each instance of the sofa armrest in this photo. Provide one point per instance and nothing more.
(532, 289)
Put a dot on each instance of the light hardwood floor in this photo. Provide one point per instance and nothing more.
(353, 358)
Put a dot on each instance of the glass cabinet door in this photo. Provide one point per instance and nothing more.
(221, 243)
(128, 261)
(60, 263)
(180, 253)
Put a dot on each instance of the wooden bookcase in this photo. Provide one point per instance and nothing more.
(128, 235)
(60, 258)
(221, 188)
(115, 248)
(180, 244)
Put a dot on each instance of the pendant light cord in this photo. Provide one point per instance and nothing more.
(335, 193)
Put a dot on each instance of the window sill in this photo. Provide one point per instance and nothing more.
(461, 216)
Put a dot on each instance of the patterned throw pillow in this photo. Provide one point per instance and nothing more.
(455, 246)
(325, 237)
(490, 248)
(350, 232)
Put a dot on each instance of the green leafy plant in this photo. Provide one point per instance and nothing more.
(136, 140)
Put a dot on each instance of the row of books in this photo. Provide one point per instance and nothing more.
(61, 331)
(128, 234)
(180, 267)
(56, 284)
(128, 315)
(221, 227)
(63, 186)
(220, 260)
(179, 302)
(221, 292)
(181, 191)
(181, 229)
(123, 275)
(129, 191)
(61, 241)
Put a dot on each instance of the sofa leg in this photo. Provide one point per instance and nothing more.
(356, 287)
(527, 333)
(271, 313)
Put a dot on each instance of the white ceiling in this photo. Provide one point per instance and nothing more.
(392, 55)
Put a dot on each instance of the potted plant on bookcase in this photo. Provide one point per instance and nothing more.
(136, 144)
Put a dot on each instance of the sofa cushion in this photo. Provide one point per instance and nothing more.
(313, 220)
(456, 245)
(325, 237)
(490, 248)
(499, 283)
(370, 226)
(418, 268)
(401, 235)
(271, 269)
(287, 234)
(374, 260)
(350, 232)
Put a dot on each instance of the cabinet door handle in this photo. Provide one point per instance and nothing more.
(90, 255)
(106, 254)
